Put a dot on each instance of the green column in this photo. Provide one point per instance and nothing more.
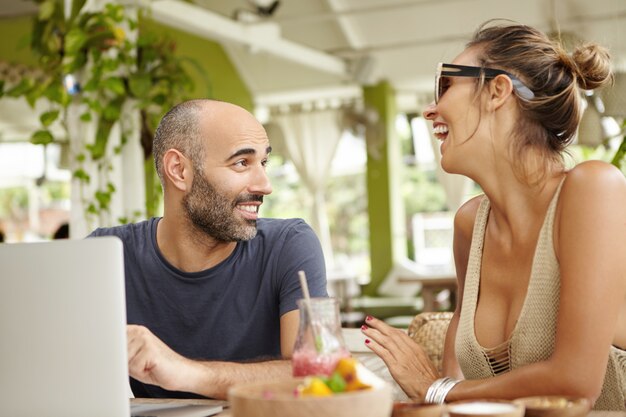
(385, 206)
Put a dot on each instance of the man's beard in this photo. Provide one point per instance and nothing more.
(214, 214)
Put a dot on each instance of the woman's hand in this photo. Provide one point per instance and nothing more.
(408, 363)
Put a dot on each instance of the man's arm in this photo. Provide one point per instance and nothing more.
(152, 362)
(289, 323)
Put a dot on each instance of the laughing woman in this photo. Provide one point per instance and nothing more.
(540, 256)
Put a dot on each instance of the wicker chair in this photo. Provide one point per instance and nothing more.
(429, 330)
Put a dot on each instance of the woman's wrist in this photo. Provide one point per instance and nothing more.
(438, 390)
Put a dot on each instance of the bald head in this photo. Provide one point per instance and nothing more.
(191, 124)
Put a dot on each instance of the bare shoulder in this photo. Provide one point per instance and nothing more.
(593, 193)
(590, 181)
(465, 217)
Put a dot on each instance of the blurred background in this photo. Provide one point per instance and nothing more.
(339, 85)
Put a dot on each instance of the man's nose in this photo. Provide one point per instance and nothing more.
(261, 183)
(430, 111)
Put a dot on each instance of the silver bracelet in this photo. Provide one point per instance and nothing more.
(437, 392)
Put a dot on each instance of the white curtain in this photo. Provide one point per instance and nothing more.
(310, 140)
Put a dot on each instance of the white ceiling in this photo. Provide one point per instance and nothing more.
(397, 40)
(309, 48)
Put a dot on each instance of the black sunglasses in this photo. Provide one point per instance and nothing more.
(452, 70)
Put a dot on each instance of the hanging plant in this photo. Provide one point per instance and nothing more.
(619, 159)
(88, 60)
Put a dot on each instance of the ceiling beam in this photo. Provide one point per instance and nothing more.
(264, 37)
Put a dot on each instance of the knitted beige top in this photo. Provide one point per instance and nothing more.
(532, 339)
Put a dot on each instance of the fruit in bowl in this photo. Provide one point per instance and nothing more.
(286, 398)
(344, 378)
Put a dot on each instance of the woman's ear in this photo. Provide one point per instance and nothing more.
(500, 89)
(177, 169)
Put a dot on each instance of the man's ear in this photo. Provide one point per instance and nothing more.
(177, 169)
(500, 89)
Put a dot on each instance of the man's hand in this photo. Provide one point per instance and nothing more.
(152, 362)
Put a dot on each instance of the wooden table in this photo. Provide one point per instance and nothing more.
(227, 411)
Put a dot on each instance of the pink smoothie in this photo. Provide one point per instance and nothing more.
(308, 362)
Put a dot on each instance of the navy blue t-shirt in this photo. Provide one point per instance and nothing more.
(230, 312)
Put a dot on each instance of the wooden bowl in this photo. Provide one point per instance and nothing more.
(555, 406)
(278, 399)
(490, 408)
(417, 409)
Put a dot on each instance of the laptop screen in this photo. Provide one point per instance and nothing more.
(63, 329)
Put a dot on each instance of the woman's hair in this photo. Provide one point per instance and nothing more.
(549, 120)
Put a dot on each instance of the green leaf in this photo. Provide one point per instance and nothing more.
(77, 5)
(54, 92)
(336, 383)
(111, 187)
(92, 209)
(90, 85)
(46, 10)
(109, 65)
(81, 175)
(74, 40)
(140, 85)
(102, 137)
(104, 198)
(159, 99)
(42, 137)
(49, 117)
(86, 117)
(52, 43)
(31, 98)
(114, 84)
(111, 112)
(20, 89)
(73, 63)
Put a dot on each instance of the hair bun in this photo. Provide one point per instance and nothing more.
(593, 65)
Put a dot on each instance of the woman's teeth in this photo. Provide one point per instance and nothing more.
(440, 130)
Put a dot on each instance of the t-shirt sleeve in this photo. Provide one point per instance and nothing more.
(301, 251)
(98, 232)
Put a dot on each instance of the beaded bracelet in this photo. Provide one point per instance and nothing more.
(437, 392)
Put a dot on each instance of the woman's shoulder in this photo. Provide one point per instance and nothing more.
(594, 174)
(592, 187)
(465, 217)
(590, 172)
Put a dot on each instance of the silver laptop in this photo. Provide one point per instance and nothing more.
(63, 334)
(63, 329)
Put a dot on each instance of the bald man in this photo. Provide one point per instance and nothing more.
(211, 288)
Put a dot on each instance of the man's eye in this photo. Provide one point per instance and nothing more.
(265, 162)
(241, 163)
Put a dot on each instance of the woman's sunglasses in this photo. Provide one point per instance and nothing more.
(451, 70)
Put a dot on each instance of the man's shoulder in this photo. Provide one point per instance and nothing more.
(125, 230)
(276, 228)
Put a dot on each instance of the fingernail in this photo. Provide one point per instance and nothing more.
(368, 318)
(367, 341)
(364, 327)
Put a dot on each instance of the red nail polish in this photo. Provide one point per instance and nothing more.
(367, 341)
(368, 318)
(364, 327)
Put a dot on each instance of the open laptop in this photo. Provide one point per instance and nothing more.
(63, 331)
